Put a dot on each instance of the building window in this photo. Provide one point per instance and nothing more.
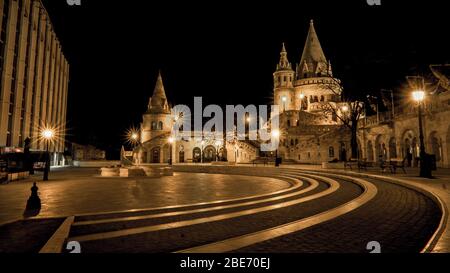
(160, 125)
(154, 125)
(331, 152)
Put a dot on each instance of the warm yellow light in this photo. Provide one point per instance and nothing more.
(418, 95)
(48, 134)
(345, 108)
(302, 96)
(276, 133)
(134, 136)
(249, 119)
(218, 143)
(171, 140)
(284, 99)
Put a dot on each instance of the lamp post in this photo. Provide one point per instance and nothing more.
(47, 135)
(302, 97)
(171, 141)
(425, 169)
(218, 145)
(276, 135)
(201, 152)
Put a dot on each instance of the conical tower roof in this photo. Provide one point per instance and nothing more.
(158, 102)
(312, 52)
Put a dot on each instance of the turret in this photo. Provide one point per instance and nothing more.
(284, 82)
(157, 121)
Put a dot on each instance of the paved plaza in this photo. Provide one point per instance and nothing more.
(80, 191)
(203, 208)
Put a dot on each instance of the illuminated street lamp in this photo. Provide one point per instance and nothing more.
(276, 135)
(48, 135)
(345, 109)
(135, 137)
(171, 141)
(425, 168)
(284, 100)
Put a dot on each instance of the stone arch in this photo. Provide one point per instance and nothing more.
(380, 149)
(435, 144)
(155, 155)
(370, 156)
(393, 148)
(407, 149)
(223, 154)
(160, 125)
(197, 155)
(209, 154)
(181, 154)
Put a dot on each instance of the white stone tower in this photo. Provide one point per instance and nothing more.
(284, 83)
(157, 121)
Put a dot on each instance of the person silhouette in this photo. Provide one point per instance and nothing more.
(34, 202)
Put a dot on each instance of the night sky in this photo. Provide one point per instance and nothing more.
(226, 51)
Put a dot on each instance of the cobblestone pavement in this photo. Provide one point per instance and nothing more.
(399, 218)
(80, 191)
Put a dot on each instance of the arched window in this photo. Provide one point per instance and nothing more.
(289, 123)
(322, 98)
(292, 142)
(296, 141)
(154, 125)
(160, 125)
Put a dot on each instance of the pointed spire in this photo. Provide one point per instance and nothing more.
(283, 50)
(284, 63)
(158, 102)
(313, 55)
(159, 88)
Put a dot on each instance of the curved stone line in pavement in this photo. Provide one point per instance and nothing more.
(294, 185)
(313, 185)
(370, 191)
(334, 186)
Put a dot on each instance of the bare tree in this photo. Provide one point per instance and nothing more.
(348, 110)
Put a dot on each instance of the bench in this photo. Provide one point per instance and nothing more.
(396, 164)
(262, 160)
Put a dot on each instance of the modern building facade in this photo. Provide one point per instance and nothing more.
(34, 77)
